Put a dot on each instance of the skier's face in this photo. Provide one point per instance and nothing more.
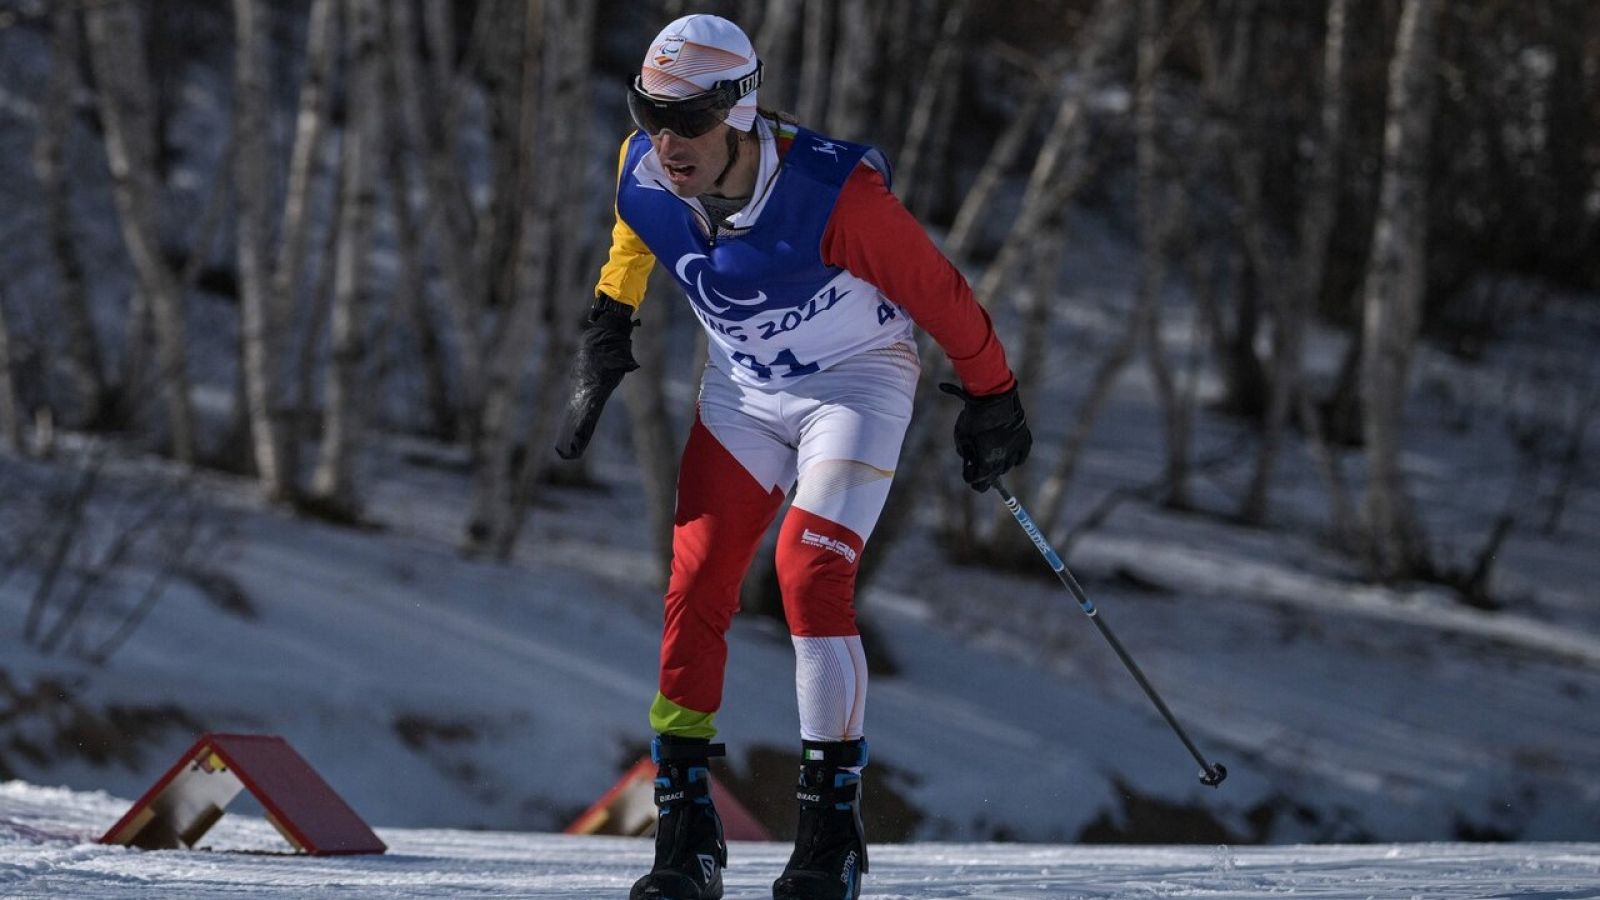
(692, 164)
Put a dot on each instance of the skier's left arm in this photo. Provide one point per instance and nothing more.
(875, 237)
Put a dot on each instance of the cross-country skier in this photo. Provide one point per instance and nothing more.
(807, 275)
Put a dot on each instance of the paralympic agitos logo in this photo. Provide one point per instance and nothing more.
(712, 301)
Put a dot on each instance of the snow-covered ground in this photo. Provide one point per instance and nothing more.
(46, 850)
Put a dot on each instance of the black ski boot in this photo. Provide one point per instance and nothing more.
(830, 848)
(690, 851)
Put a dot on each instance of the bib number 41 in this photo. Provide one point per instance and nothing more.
(792, 367)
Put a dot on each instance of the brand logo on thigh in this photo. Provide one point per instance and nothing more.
(811, 538)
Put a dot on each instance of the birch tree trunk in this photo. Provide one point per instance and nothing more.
(261, 330)
(1154, 208)
(812, 99)
(1063, 151)
(559, 294)
(975, 207)
(439, 38)
(412, 292)
(1058, 170)
(1221, 269)
(1572, 94)
(1054, 488)
(1393, 292)
(445, 89)
(507, 364)
(346, 401)
(1030, 361)
(901, 59)
(775, 46)
(1047, 188)
(116, 51)
(1298, 283)
(289, 266)
(1106, 32)
(449, 216)
(856, 43)
(85, 362)
(496, 251)
(10, 407)
(936, 86)
(573, 254)
(309, 338)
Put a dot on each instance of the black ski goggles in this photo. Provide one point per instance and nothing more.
(688, 117)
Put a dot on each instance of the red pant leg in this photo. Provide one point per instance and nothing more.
(817, 563)
(721, 515)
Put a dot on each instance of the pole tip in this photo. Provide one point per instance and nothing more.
(1213, 775)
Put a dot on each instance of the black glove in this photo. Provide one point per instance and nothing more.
(991, 435)
(605, 354)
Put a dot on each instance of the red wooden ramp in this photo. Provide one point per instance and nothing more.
(184, 804)
(629, 808)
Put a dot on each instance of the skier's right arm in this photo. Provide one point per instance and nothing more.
(605, 349)
(627, 269)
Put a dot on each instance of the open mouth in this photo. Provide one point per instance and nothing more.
(679, 172)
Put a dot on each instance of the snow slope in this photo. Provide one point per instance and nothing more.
(437, 691)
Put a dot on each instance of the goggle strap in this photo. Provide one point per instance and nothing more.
(749, 82)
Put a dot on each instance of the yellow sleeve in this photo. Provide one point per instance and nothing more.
(627, 267)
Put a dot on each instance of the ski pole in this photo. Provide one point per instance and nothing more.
(1211, 774)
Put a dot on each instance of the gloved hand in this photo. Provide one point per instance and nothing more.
(991, 435)
(605, 354)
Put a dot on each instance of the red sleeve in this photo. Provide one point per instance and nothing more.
(873, 236)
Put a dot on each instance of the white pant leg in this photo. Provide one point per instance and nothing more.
(749, 424)
(831, 684)
(852, 420)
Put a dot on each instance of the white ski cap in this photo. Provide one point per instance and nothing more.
(694, 53)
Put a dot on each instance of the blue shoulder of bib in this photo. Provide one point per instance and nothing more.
(831, 161)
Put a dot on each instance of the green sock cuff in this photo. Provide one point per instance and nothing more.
(667, 717)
